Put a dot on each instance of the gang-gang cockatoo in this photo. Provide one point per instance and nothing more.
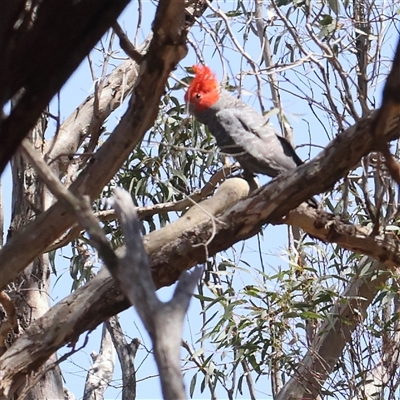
(240, 130)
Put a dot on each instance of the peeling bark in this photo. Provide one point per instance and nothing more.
(31, 294)
(101, 372)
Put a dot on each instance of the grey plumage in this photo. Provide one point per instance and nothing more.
(243, 133)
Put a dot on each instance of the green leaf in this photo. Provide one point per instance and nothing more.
(281, 3)
(326, 20)
(192, 385)
(52, 256)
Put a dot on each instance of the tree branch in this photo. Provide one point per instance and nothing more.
(101, 371)
(101, 298)
(172, 250)
(126, 356)
(32, 55)
(163, 321)
(115, 88)
(148, 211)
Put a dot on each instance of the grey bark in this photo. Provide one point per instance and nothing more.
(101, 371)
(163, 321)
(157, 64)
(126, 356)
(32, 300)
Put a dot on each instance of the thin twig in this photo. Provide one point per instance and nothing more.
(126, 44)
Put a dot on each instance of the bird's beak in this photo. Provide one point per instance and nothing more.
(188, 108)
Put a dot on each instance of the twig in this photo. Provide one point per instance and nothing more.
(272, 77)
(126, 44)
(200, 364)
(249, 380)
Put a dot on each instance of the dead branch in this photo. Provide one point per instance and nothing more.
(102, 297)
(268, 203)
(158, 62)
(101, 371)
(148, 211)
(169, 248)
(126, 355)
(163, 321)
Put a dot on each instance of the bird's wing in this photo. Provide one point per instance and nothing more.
(250, 131)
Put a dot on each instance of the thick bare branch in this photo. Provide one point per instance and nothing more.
(101, 297)
(269, 203)
(133, 272)
(172, 250)
(163, 321)
(147, 211)
(33, 54)
(117, 86)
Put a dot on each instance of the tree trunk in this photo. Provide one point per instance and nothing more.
(31, 291)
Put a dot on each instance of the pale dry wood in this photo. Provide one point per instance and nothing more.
(101, 371)
(163, 321)
(114, 90)
(126, 356)
(147, 211)
(319, 224)
(97, 300)
(281, 195)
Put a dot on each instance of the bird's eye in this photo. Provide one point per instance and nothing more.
(198, 96)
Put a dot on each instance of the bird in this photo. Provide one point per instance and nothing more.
(240, 131)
